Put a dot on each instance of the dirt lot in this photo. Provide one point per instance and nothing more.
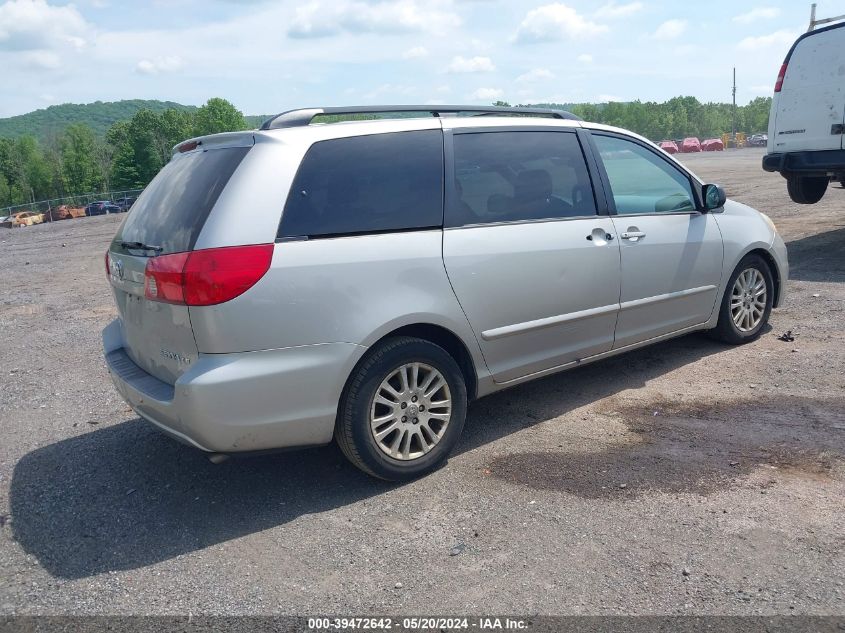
(690, 477)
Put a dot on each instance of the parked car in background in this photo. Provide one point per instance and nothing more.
(670, 147)
(64, 212)
(102, 207)
(758, 140)
(21, 219)
(712, 145)
(404, 276)
(690, 144)
(125, 203)
(806, 141)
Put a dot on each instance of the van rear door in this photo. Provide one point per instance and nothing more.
(809, 110)
(167, 218)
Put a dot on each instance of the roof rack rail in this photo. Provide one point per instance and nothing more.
(304, 116)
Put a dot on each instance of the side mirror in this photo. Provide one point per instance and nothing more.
(714, 197)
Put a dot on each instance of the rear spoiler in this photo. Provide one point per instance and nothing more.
(215, 141)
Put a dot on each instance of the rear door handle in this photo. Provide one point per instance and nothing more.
(632, 235)
(607, 236)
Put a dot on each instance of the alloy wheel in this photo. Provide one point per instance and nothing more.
(748, 300)
(410, 411)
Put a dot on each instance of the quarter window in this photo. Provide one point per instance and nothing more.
(641, 181)
(367, 184)
(516, 176)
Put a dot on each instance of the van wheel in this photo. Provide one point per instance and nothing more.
(402, 410)
(806, 189)
(747, 302)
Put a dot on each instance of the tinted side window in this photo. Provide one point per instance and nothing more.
(172, 210)
(641, 181)
(364, 184)
(513, 176)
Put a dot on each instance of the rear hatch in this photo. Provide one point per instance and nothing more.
(166, 218)
(808, 110)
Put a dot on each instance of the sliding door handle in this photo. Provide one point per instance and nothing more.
(634, 236)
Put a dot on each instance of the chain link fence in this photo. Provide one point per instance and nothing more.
(80, 200)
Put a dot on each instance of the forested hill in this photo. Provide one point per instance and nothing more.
(99, 116)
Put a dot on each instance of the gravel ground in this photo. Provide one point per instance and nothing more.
(689, 477)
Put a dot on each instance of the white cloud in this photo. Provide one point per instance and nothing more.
(34, 25)
(415, 53)
(486, 94)
(585, 58)
(608, 98)
(159, 65)
(556, 21)
(670, 29)
(321, 19)
(77, 42)
(778, 38)
(759, 13)
(44, 60)
(476, 64)
(612, 10)
(536, 74)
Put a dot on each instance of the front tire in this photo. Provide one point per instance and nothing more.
(403, 409)
(747, 302)
(806, 189)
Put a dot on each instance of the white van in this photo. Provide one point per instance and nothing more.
(807, 120)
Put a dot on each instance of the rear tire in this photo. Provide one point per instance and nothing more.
(806, 189)
(744, 312)
(387, 400)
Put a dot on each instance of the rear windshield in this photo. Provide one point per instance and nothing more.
(171, 211)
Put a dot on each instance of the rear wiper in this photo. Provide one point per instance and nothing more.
(140, 246)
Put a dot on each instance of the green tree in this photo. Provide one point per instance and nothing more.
(5, 192)
(31, 174)
(80, 168)
(218, 115)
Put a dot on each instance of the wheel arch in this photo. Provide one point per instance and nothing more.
(449, 341)
(773, 267)
(439, 335)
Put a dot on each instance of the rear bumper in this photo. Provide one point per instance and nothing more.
(248, 401)
(810, 163)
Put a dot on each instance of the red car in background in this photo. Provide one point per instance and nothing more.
(670, 147)
(712, 145)
(690, 144)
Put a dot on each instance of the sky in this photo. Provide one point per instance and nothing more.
(273, 55)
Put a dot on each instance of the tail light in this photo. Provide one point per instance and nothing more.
(206, 277)
(781, 75)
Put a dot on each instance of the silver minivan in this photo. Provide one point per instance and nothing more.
(363, 280)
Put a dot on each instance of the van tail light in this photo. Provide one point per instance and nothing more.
(781, 75)
(206, 277)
